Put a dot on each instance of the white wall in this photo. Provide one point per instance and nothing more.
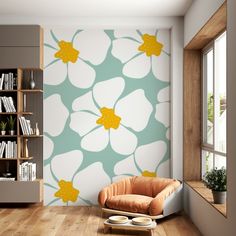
(176, 26)
(209, 221)
(197, 15)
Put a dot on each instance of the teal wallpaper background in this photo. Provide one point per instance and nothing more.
(106, 110)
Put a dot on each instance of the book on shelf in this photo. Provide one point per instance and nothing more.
(7, 179)
(8, 104)
(27, 171)
(10, 149)
(25, 126)
(8, 81)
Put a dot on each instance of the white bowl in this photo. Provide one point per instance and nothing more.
(141, 221)
(118, 219)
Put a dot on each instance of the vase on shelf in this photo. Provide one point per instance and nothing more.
(31, 82)
(37, 129)
(24, 103)
(25, 148)
(3, 132)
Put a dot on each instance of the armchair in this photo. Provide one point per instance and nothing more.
(152, 197)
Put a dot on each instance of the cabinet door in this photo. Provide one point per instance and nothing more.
(21, 46)
(19, 35)
(21, 191)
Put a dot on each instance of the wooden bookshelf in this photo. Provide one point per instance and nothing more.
(33, 109)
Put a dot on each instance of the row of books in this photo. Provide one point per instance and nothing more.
(7, 179)
(8, 82)
(25, 126)
(27, 171)
(9, 148)
(8, 104)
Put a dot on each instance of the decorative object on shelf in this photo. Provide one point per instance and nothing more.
(3, 126)
(25, 148)
(24, 102)
(32, 82)
(216, 180)
(11, 124)
(7, 174)
(36, 129)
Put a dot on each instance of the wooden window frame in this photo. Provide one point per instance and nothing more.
(192, 93)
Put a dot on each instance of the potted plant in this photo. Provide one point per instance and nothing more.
(216, 181)
(11, 124)
(3, 126)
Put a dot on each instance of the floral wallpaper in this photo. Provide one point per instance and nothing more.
(106, 110)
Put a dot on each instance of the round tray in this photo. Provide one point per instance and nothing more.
(118, 219)
(141, 221)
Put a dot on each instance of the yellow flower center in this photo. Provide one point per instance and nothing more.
(67, 192)
(66, 52)
(147, 173)
(108, 119)
(150, 45)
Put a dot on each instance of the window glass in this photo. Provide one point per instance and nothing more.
(214, 105)
(220, 93)
(220, 161)
(207, 162)
(210, 98)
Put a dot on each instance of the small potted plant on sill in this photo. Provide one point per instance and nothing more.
(11, 124)
(216, 181)
(3, 126)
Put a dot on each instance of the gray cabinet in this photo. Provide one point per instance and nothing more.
(21, 46)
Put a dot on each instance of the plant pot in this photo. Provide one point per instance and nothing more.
(3, 132)
(219, 197)
(11, 132)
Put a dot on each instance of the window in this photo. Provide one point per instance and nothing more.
(214, 105)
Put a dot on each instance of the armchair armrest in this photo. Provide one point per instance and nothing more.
(118, 188)
(157, 204)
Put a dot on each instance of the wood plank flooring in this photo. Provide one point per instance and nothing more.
(84, 221)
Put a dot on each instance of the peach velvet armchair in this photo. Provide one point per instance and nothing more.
(150, 196)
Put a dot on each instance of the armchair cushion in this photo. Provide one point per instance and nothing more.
(157, 204)
(150, 186)
(130, 202)
(122, 187)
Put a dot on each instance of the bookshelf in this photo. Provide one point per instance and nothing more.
(29, 104)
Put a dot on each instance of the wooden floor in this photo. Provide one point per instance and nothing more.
(84, 221)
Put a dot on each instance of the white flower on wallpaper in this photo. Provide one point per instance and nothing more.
(67, 185)
(146, 161)
(101, 118)
(163, 108)
(48, 147)
(71, 53)
(55, 115)
(142, 51)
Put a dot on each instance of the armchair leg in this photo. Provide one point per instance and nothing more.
(106, 229)
(152, 232)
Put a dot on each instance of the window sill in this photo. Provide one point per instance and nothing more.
(205, 193)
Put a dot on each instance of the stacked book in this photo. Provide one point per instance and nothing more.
(25, 126)
(8, 104)
(27, 171)
(7, 179)
(8, 82)
(10, 149)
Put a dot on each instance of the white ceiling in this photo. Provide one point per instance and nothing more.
(78, 8)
